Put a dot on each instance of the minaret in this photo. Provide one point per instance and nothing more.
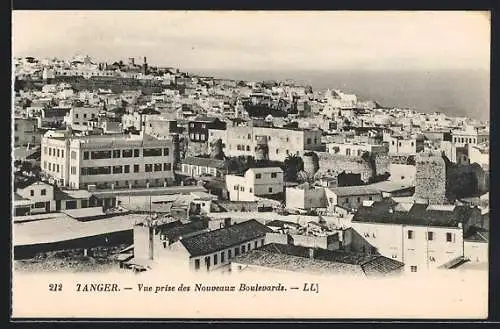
(145, 66)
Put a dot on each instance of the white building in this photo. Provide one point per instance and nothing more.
(255, 182)
(479, 155)
(79, 117)
(26, 132)
(353, 148)
(191, 247)
(470, 135)
(419, 235)
(113, 161)
(351, 197)
(280, 142)
(399, 145)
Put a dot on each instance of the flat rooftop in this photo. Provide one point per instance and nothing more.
(148, 191)
(63, 228)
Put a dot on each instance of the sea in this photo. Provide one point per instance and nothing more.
(456, 93)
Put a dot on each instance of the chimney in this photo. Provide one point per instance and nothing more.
(311, 253)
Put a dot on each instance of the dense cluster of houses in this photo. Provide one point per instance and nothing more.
(240, 175)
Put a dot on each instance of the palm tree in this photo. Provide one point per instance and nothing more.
(292, 165)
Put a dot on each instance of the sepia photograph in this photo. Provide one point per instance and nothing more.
(250, 164)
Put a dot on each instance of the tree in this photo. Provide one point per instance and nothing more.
(26, 166)
(292, 165)
(36, 170)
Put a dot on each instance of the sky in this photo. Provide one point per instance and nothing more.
(261, 40)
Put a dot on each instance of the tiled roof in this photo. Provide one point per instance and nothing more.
(18, 197)
(223, 238)
(296, 258)
(477, 234)
(387, 211)
(282, 223)
(176, 230)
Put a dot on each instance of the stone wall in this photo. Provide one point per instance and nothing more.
(382, 163)
(334, 164)
(430, 178)
(465, 181)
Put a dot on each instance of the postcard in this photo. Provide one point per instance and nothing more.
(250, 164)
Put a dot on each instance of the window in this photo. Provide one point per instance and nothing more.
(148, 167)
(116, 153)
(308, 141)
(346, 200)
(157, 166)
(166, 151)
(39, 204)
(250, 190)
(413, 268)
(410, 234)
(57, 153)
(248, 148)
(45, 165)
(215, 259)
(85, 115)
(235, 188)
(85, 155)
(236, 251)
(249, 136)
(152, 152)
(393, 143)
(167, 166)
(136, 153)
(57, 168)
(222, 257)
(43, 192)
(32, 193)
(50, 166)
(242, 249)
(229, 254)
(430, 236)
(359, 199)
(126, 169)
(270, 190)
(127, 153)
(15, 127)
(207, 261)
(136, 168)
(449, 237)
(258, 176)
(255, 245)
(412, 144)
(274, 175)
(117, 169)
(100, 154)
(238, 147)
(96, 171)
(248, 247)
(45, 150)
(370, 198)
(242, 188)
(76, 115)
(262, 242)
(50, 151)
